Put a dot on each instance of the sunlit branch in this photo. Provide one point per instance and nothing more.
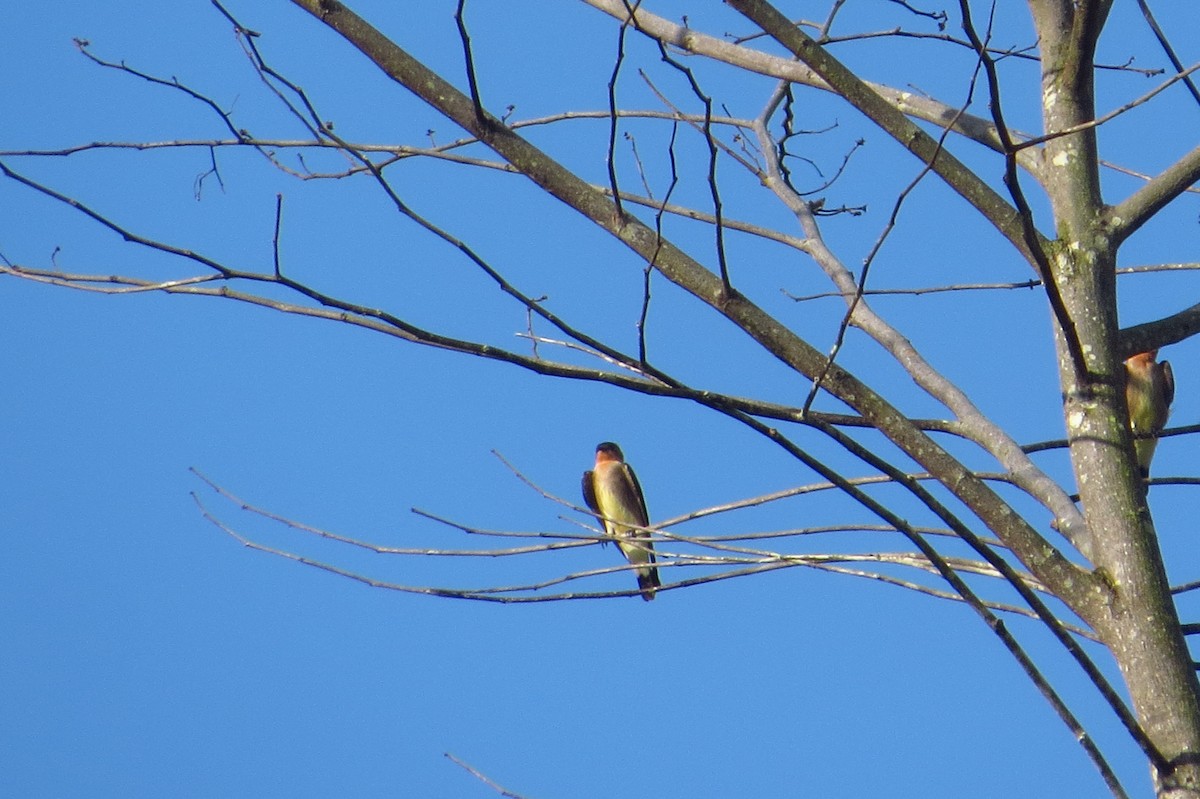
(668, 559)
(817, 530)
(1026, 53)
(1019, 284)
(774, 496)
(693, 41)
(938, 594)
(559, 541)
(507, 794)
(811, 488)
(1111, 115)
(1133, 173)
(528, 592)
(588, 351)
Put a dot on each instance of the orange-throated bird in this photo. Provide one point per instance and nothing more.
(1149, 390)
(612, 491)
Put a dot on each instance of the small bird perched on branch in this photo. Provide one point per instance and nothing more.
(612, 491)
(1149, 390)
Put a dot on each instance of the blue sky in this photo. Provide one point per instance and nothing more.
(146, 653)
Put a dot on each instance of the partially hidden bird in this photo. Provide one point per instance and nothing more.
(1149, 391)
(612, 491)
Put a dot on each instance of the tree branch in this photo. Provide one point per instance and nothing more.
(1137, 209)
(907, 102)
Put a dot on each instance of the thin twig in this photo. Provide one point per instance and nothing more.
(507, 794)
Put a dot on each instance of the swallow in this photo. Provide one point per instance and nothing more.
(612, 491)
(1149, 391)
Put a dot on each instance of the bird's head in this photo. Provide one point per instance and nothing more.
(608, 451)
(1143, 360)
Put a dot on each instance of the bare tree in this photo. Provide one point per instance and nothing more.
(710, 204)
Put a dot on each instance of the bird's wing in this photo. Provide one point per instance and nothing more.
(632, 497)
(630, 491)
(1168, 382)
(589, 494)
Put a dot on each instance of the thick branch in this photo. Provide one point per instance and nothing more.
(1152, 335)
(1142, 205)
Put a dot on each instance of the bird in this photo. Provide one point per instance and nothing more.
(1149, 390)
(612, 491)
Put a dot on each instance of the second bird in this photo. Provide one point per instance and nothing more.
(612, 491)
(1149, 390)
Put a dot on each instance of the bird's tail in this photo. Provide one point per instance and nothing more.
(1144, 449)
(648, 582)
